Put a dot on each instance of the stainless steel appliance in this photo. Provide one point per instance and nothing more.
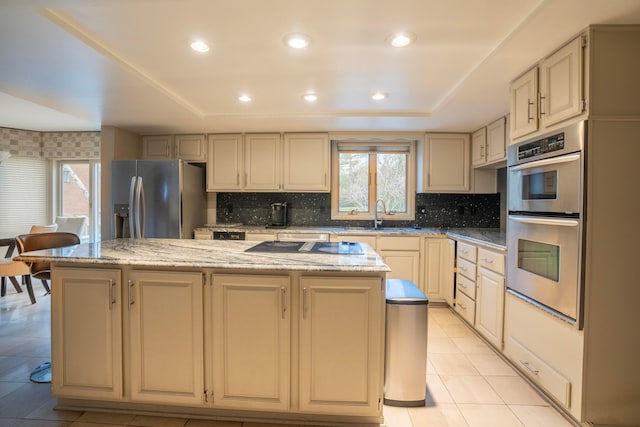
(156, 198)
(229, 235)
(338, 248)
(546, 183)
(279, 215)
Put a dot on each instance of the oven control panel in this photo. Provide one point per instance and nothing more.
(541, 146)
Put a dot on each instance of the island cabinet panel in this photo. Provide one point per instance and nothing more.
(340, 338)
(166, 337)
(86, 333)
(251, 341)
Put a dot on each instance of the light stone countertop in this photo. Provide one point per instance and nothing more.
(223, 254)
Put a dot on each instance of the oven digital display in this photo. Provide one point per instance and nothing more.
(540, 186)
(538, 258)
(541, 146)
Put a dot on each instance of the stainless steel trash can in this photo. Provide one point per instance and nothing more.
(405, 373)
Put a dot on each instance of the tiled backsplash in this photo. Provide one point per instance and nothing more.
(314, 209)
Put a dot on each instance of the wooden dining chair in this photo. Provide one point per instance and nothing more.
(38, 241)
(10, 269)
(43, 228)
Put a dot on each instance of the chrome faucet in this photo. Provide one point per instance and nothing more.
(378, 222)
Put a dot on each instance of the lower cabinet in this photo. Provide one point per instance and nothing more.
(341, 357)
(86, 333)
(402, 255)
(166, 337)
(251, 341)
(437, 269)
(490, 305)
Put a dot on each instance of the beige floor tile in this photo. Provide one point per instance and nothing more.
(515, 391)
(212, 423)
(437, 393)
(9, 422)
(430, 368)
(8, 387)
(394, 417)
(149, 421)
(441, 345)
(43, 423)
(23, 400)
(21, 371)
(87, 424)
(536, 416)
(458, 330)
(452, 364)
(46, 412)
(445, 317)
(472, 345)
(491, 364)
(440, 415)
(435, 330)
(470, 389)
(489, 416)
(105, 418)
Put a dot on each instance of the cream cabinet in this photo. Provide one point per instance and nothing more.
(341, 345)
(166, 337)
(551, 92)
(370, 239)
(479, 147)
(86, 333)
(445, 161)
(191, 148)
(489, 145)
(437, 269)
(465, 301)
(260, 236)
(251, 341)
(307, 162)
(225, 162)
(490, 296)
(262, 162)
(402, 254)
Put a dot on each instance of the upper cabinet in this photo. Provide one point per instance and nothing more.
(307, 162)
(551, 92)
(479, 147)
(445, 162)
(191, 148)
(489, 145)
(268, 162)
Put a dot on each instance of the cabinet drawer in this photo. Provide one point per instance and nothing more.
(540, 372)
(466, 307)
(368, 239)
(490, 260)
(466, 268)
(467, 286)
(408, 243)
(202, 235)
(467, 251)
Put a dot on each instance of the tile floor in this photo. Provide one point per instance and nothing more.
(467, 383)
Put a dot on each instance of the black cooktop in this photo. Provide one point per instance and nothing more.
(338, 248)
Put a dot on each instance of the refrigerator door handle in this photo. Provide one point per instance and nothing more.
(142, 213)
(132, 210)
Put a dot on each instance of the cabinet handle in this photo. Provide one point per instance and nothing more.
(168, 153)
(529, 115)
(304, 303)
(283, 294)
(462, 306)
(131, 301)
(487, 260)
(464, 268)
(540, 104)
(464, 251)
(175, 152)
(112, 296)
(530, 368)
(462, 285)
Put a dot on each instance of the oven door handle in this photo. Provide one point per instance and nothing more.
(545, 221)
(545, 162)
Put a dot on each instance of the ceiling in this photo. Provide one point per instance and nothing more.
(80, 65)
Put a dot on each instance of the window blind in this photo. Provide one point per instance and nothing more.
(25, 185)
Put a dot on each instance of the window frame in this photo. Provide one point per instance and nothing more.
(372, 147)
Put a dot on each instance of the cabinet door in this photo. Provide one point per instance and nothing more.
(490, 306)
(403, 265)
(561, 84)
(191, 148)
(437, 282)
(86, 333)
(341, 345)
(262, 162)
(224, 162)
(156, 147)
(496, 141)
(524, 107)
(446, 162)
(251, 341)
(166, 337)
(307, 162)
(478, 147)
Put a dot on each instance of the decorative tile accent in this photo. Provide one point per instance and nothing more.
(70, 145)
(23, 143)
(314, 209)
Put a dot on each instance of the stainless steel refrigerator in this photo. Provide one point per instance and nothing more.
(156, 199)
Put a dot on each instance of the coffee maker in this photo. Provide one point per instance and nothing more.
(279, 215)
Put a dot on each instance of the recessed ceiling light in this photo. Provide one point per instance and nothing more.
(199, 46)
(378, 96)
(244, 98)
(310, 97)
(401, 39)
(296, 40)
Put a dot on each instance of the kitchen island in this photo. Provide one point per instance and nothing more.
(205, 329)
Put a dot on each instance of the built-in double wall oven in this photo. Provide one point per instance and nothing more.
(546, 188)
